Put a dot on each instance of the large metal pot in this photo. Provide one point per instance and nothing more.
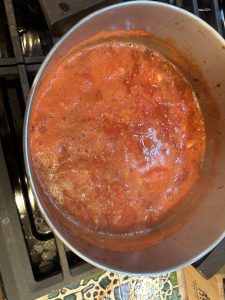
(204, 227)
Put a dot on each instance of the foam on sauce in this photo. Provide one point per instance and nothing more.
(116, 137)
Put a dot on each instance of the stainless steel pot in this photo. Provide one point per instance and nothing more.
(205, 67)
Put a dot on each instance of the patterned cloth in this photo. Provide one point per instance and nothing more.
(110, 286)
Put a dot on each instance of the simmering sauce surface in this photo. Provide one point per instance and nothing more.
(116, 137)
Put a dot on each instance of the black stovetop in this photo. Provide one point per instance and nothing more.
(31, 258)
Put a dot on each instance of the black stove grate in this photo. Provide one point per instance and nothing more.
(32, 260)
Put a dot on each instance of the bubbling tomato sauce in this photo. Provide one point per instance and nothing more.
(116, 137)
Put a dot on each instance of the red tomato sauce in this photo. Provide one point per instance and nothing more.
(116, 137)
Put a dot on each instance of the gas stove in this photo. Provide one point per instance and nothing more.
(32, 260)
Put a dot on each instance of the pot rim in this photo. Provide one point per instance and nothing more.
(27, 119)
